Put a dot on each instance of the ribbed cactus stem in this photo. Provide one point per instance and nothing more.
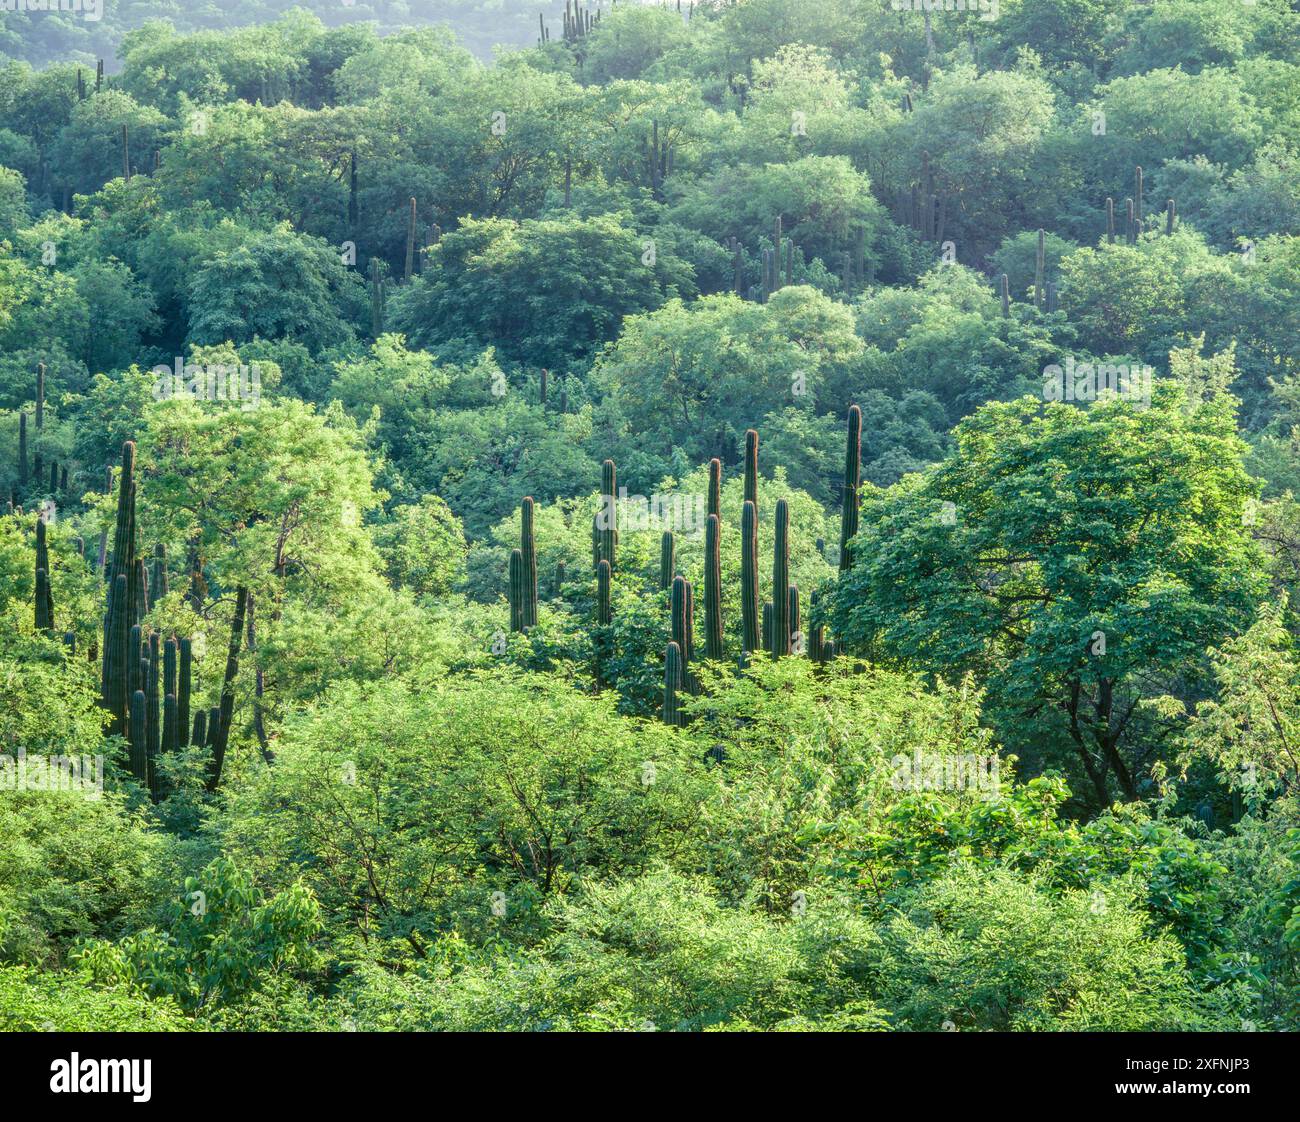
(169, 667)
(713, 644)
(184, 688)
(781, 581)
(410, 242)
(1130, 232)
(604, 608)
(767, 626)
(44, 620)
(1040, 265)
(667, 560)
(852, 484)
(170, 723)
(1137, 197)
(750, 619)
(516, 590)
(796, 628)
(816, 632)
(138, 738)
(751, 468)
(199, 734)
(608, 516)
(1110, 221)
(528, 546)
(158, 577)
(673, 672)
(715, 487)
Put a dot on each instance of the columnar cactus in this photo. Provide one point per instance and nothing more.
(713, 644)
(184, 689)
(1130, 230)
(120, 612)
(682, 621)
(1110, 221)
(852, 485)
(1040, 264)
(376, 298)
(1170, 216)
(199, 734)
(44, 618)
(1137, 197)
(170, 723)
(138, 738)
(781, 581)
(410, 243)
(609, 514)
(604, 607)
(516, 590)
(667, 560)
(169, 667)
(528, 546)
(1005, 282)
(796, 628)
(750, 619)
(715, 487)
(672, 684)
(44, 597)
(751, 468)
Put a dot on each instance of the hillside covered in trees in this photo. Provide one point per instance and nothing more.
(761, 515)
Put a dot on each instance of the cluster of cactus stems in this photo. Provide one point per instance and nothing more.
(146, 680)
(929, 209)
(523, 572)
(779, 625)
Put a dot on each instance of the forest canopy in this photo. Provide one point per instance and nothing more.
(750, 515)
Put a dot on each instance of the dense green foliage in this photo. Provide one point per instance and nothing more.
(765, 517)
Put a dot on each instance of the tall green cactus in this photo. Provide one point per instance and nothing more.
(184, 688)
(199, 734)
(516, 590)
(667, 560)
(44, 596)
(796, 622)
(781, 581)
(816, 632)
(715, 487)
(1005, 283)
(1171, 212)
(681, 615)
(608, 516)
(604, 606)
(1110, 220)
(852, 485)
(751, 468)
(528, 546)
(120, 612)
(749, 595)
(44, 619)
(410, 243)
(672, 715)
(1040, 264)
(767, 627)
(1130, 231)
(713, 644)
(139, 741)
(1137, 198)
